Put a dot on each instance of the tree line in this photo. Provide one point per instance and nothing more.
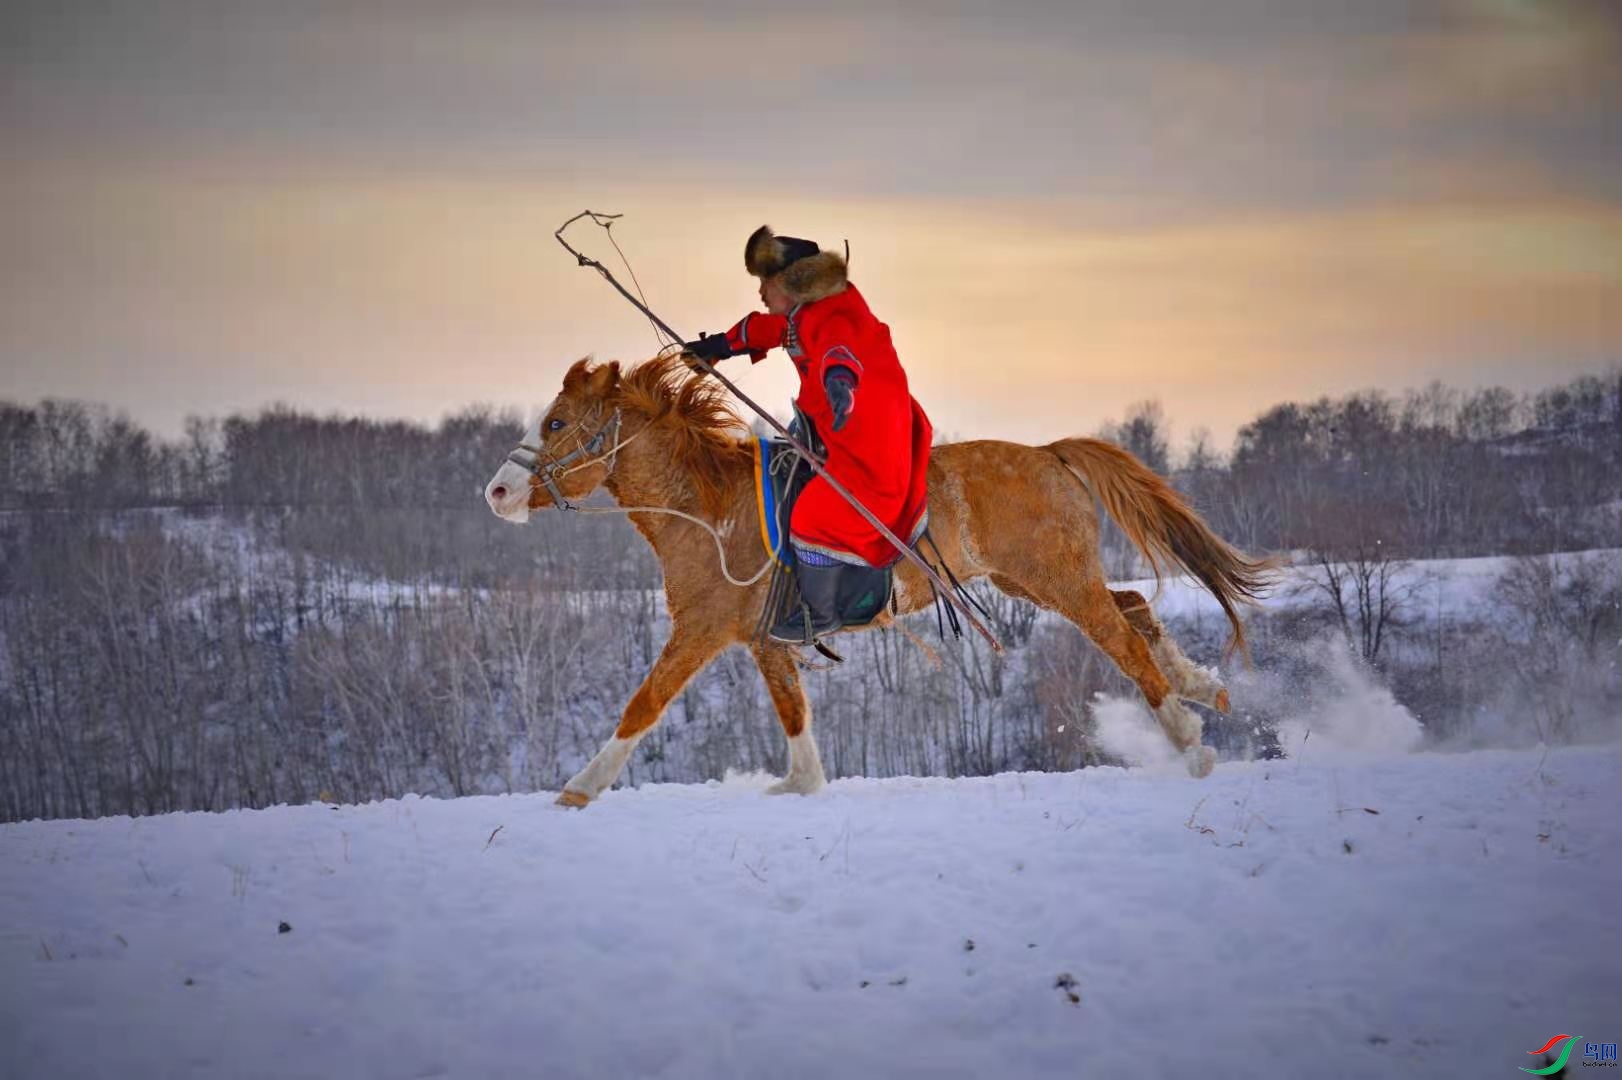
(1435, 471)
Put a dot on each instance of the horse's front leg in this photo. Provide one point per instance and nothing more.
(683, 656)
(782, 675)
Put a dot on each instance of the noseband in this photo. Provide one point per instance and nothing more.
(548, 471)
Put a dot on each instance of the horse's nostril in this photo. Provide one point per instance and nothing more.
(498, 492)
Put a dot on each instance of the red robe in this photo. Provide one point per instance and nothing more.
(881, 456)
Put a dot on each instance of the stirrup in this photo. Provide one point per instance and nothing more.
(799, 629)
(826, 650)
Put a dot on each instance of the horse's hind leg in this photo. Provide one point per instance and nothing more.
(1188, 680)
(782, 676)
(1093, 609)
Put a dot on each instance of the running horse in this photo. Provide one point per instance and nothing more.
(657, 437)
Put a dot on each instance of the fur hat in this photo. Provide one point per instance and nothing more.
(802, 271)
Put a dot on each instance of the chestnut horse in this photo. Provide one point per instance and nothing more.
(656, 437)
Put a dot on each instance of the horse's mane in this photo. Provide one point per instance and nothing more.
(703, 429)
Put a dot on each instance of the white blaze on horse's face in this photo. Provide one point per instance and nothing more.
(508, 491)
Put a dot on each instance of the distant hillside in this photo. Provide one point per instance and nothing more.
(285, 605)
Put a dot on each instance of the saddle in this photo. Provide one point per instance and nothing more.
(781, 473)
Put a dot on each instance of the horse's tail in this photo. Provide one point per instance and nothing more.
(1162, 526)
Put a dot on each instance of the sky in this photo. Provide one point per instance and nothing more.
(1059, 208)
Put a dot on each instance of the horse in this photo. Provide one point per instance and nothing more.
(668, 446)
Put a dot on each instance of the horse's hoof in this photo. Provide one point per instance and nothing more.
(791, 785)
(1221, 703)
(574, 800)
(1200, 760)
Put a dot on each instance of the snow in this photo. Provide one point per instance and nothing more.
(1261, 921)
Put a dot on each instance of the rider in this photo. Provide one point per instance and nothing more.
(877, 449)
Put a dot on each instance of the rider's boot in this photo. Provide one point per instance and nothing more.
(818, 611)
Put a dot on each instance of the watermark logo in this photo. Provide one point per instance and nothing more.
(1601, 1055)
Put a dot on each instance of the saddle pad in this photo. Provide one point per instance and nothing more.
(776, 485)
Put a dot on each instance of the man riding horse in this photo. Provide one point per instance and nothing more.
(853, 409)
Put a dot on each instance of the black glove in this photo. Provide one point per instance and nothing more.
(841, 390)
(711, 347)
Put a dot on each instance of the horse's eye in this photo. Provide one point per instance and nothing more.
(554, 425)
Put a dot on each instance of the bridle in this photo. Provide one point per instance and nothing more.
(548, 471)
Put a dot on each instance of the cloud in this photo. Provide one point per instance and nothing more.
(1180, 107)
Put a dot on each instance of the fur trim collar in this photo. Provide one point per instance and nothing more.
(806, 278)
(815, 278)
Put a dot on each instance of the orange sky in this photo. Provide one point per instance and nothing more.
(1058, 213)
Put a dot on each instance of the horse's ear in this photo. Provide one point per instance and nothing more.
(576, 376)
(605, 380)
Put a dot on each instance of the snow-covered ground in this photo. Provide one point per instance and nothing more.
(1331, 915)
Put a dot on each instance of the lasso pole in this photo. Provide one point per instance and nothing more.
(606, 220)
